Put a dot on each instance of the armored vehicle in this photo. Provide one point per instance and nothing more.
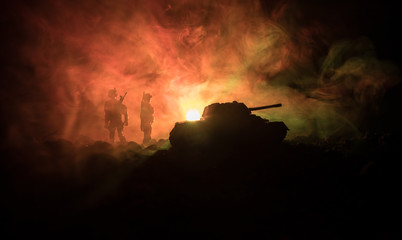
(228, 124)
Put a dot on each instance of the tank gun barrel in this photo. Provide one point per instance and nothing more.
(265, 107)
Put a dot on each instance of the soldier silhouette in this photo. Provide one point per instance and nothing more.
(114, 109)
(147, 117)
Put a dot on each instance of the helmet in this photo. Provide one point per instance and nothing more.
(146, 95)
(112, 93)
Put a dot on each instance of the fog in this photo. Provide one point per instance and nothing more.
(63, 56)
(334, 67)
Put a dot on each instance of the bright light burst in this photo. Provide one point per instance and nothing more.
(193, 115)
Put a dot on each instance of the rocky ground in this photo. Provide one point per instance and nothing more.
(299, 189)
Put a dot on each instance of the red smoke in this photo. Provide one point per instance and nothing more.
(187, 54)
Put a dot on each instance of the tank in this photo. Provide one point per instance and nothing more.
(229, 124)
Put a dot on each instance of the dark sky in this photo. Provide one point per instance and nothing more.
(378, 20)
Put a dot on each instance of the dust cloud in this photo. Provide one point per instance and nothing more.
(66, 55)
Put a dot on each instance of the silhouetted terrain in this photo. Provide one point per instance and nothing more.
(305, 188)
(335, 67)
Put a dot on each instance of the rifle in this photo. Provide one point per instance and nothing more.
(124, 109)
(122, 98)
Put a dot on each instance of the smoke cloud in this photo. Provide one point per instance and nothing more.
(65, 55)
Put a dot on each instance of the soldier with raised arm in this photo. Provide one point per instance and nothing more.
(114, 109)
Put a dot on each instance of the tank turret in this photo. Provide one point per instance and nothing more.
(233, 109)
(228, 124)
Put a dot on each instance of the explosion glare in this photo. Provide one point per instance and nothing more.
(193, 115)
(65, 55)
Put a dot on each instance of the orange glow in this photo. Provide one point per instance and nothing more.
(193, 115)
(186, 54)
